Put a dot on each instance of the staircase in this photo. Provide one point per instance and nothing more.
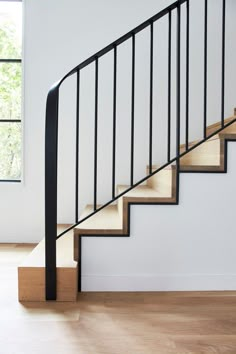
(53, 270)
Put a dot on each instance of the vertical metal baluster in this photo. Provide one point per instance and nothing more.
(169, 89)
(205, 71)
(132, 112)
(77, 149)
(223, 66)
(95, 135)
(178, 85)
(187, 77)
(151, 98)
(114, 124)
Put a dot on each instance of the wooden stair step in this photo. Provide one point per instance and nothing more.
(31, 272)
(229, 132)
(216, 126)
(208, 156)
(106, 221)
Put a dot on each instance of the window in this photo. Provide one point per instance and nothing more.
(10, 90)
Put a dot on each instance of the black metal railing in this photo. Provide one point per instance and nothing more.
(52, 120)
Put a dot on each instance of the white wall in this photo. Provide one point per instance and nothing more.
(58, 36)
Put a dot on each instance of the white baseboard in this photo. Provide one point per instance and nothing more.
(159, 282)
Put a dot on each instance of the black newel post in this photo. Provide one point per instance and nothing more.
(51, 139)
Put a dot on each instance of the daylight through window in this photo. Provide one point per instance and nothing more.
(10, 90)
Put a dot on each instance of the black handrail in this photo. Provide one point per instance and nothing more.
(51, 149)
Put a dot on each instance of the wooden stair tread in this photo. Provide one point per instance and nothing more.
(65, 257)
(142, 191)
(106, 220)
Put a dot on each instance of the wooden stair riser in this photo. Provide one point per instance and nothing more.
(164, 181)
(207, 157)
(161, 181)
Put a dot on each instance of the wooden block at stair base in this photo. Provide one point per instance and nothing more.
(31, 284)
(31, 272)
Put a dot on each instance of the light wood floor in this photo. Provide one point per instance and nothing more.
(113, 323)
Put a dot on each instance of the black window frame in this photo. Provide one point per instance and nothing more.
(12, 60)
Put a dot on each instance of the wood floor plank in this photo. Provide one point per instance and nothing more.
(114, 323)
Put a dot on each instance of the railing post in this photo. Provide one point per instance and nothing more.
(77, 147)
(178, 99)
(169, 87)
(132, 112)
(223, 66)
(178, 87)
(187, 77)
(114, 123)
(151, 98)
(51, 140)
(95, 137)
